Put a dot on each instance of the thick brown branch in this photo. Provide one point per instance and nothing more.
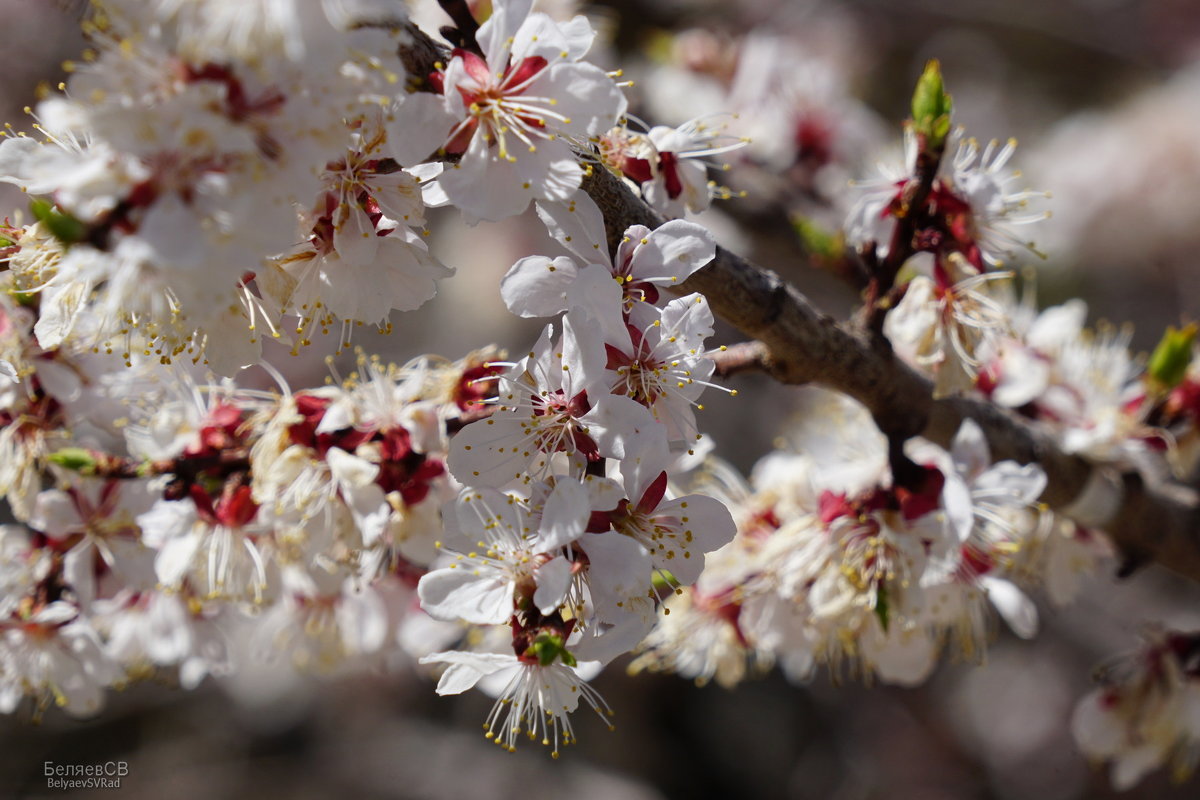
(800, 345)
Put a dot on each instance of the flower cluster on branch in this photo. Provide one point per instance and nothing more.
(214, 175)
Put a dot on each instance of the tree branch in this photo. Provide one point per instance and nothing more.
(801, 345)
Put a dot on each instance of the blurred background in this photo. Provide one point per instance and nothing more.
(1104, 96)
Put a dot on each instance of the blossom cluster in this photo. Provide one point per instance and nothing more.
(214, 175)
(848, 559)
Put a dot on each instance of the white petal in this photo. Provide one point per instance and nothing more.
(970, 449)
(362, 618)
(553, 581)
(348, 470)
(419, 126)
(489, 452)
(536, 286)
(579, 35)
(496, 34)
(55, 514)
(466, 669)
(672, 252)
(586, 95)
(458, 593)
(577, 225)
(175, 557)
(597, 295)
(565, 516)
(1022, 485)
(619, 569)
(79, 568)
(617, 423)
(1014, 606)
(705, 525)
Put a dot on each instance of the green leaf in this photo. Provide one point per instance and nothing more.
(931, 106)
(1171, 358)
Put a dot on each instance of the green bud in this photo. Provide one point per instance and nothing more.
(882, 609)
(818, 240)
(1170, 360)
(62, 226)
(548, 647)
(73, 458)
(931, 107)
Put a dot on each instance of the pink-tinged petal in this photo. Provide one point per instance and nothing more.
(521, 73)
(536, 286)
(474, 66)
(553, 581)
(672, 252)
(644, 460)
(653, 494)
(458, 593)
(564, 517)
(578, 226)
